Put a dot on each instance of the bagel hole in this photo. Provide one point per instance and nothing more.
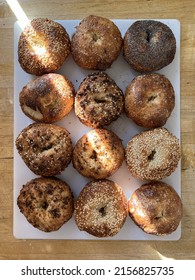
(151, 155)
(102, 211)
(47, 147)
(159, 216)
(45, 205)
(94, 155)
(95, 37)
(99, 100)
(55, 213)
(151, 98)
(148, 36)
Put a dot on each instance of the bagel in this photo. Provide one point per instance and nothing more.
(45, 148)
(96, 44)
(47, 203)
(98, 154)
(43, 46)
(48, 98)
(153, 154)
(156, 208)
(101, 208)
(149, 45)
(99, 101)
(149, 100)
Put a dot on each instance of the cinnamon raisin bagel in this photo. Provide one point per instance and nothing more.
(48, 98)
(149, 100)
(153, 154)
(45, 148)
(96, 44)
(156, 208)
(99, 101)
(98, 154)
(43, 46)
(149, 45)
(101, 208)
(47, 203)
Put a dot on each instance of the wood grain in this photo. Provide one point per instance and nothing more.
(11, 248)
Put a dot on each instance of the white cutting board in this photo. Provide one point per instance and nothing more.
(124, 127)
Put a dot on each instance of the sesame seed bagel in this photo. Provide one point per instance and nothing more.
(43, 46)
(48, 98)
(45, 148)
(99, 101)
(149, 45)
(47, 203)
(98, 154)
(149, 100)
(101, 208)
(153, 154)
(96, 44)
(156, 208)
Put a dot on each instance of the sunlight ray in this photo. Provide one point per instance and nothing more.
(19, 13)
(162, 257)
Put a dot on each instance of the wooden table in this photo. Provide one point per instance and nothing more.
(11, 248)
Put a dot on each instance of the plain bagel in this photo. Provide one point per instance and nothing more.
(156, 208)
(47, 98)
(149, 100)
(98, 154)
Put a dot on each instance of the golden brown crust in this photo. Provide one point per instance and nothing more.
(47, 98)
(98, 154)
(153, 154)
(149, 45)
(43, 46)
(156, 208)
(101, 208)
(149, 100)
(45, 148)
(99, 101)
(96, 44)
(47, 203)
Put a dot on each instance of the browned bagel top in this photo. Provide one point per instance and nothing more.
(101, 208)
(149, 45)
(99, 101)
(45, 148)
(47, 203)
(43, 46)
(149, 100)
(153, 154)
(98, 154)
(47, 98)
(96, 43)
(156, 208)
